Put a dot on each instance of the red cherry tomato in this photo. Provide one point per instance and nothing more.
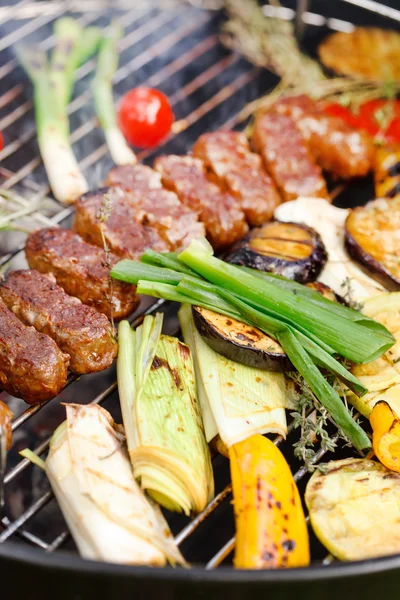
(145, 117)
(1, 141)
(337, 110)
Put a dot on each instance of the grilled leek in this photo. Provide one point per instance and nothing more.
(237, 401)
(382, 376)
(108, 515)
(354, 508)
(271, 531)
(162, 419)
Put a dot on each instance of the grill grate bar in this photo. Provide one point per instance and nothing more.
(26, 535)
(21, 520)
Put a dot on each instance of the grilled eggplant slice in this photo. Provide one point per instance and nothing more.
(240, 342)
(373, 240)
(288, 249)
(326, 291)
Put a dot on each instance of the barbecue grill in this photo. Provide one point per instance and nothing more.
(172, 45)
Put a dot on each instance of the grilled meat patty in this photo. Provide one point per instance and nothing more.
(79, 330)
(286, 157)
(156, 207)
(336, 147)
(228, 159)
(32, 366)
(124, 234)
(81, 270)
(220, 212)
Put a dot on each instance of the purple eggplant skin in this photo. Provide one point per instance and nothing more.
(303, 270)
(370, 265)
(242, 348)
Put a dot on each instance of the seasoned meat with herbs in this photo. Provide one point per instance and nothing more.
(286, 157)
(156, 207)
(81, 270)
(337, 147)
(219, 211)
(79, 330)
(228, 159)
(32, 366)
(123, 233)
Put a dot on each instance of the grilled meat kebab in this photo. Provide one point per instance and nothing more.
(6, 416)
(124, 235)
(157, 207)
(81, 269)
(32, 366)
(79, 330)
(220, 212)
(228, 159)
(337, 147)
(286, 157)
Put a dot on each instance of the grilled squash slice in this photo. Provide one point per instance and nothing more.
(354, 509)
(381, 376)
(372, 238)
(288, 249)
(367, 52)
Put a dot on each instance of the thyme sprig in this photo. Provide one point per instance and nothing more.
(348, 294)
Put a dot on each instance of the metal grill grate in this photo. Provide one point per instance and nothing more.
(174, 47)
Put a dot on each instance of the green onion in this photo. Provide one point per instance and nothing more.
(323, 391)
(168, 260)
(132, 272)
(103, 97)
(348, 338)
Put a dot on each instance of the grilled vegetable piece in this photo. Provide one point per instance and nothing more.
(372, 239)
(236, 400)
(386, 435)
(6, 416)
(228, 159)
(108, 515)
(350, 53)
(219, 211)
(166, 442)
(286, 157)
(81, 269)
(106, 214)
(240, 342)
(336, 147)
(288, 249)
(32, 366)
(271, 531)
(326, 291)
(79, 330)
(382, 376)
(387, 171)
(339, 272)
(354, 508)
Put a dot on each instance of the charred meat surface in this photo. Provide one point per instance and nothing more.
(79, 330)
(156, 207)
(123, 233)
(228, 158)
(32, 366)
(81, 269)
(286, 157)
(240, 342)
(288, 249)
(6, 416)
(134, 177)
(219, 211)
(338, 148)
(372, 238)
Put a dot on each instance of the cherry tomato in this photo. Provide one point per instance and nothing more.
(1, 141)
(145, 117)
(337, 110)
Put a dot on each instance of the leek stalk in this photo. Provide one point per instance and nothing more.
(108, 515)
(107, 64)
(162, 418)
(237, 401)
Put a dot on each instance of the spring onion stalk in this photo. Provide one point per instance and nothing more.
(65, 177)
(107, 64)
(348, 338)
(237, 401)
(132, 272)
(74, 45)
(162, 418)
(107, 513)
(168, 260)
